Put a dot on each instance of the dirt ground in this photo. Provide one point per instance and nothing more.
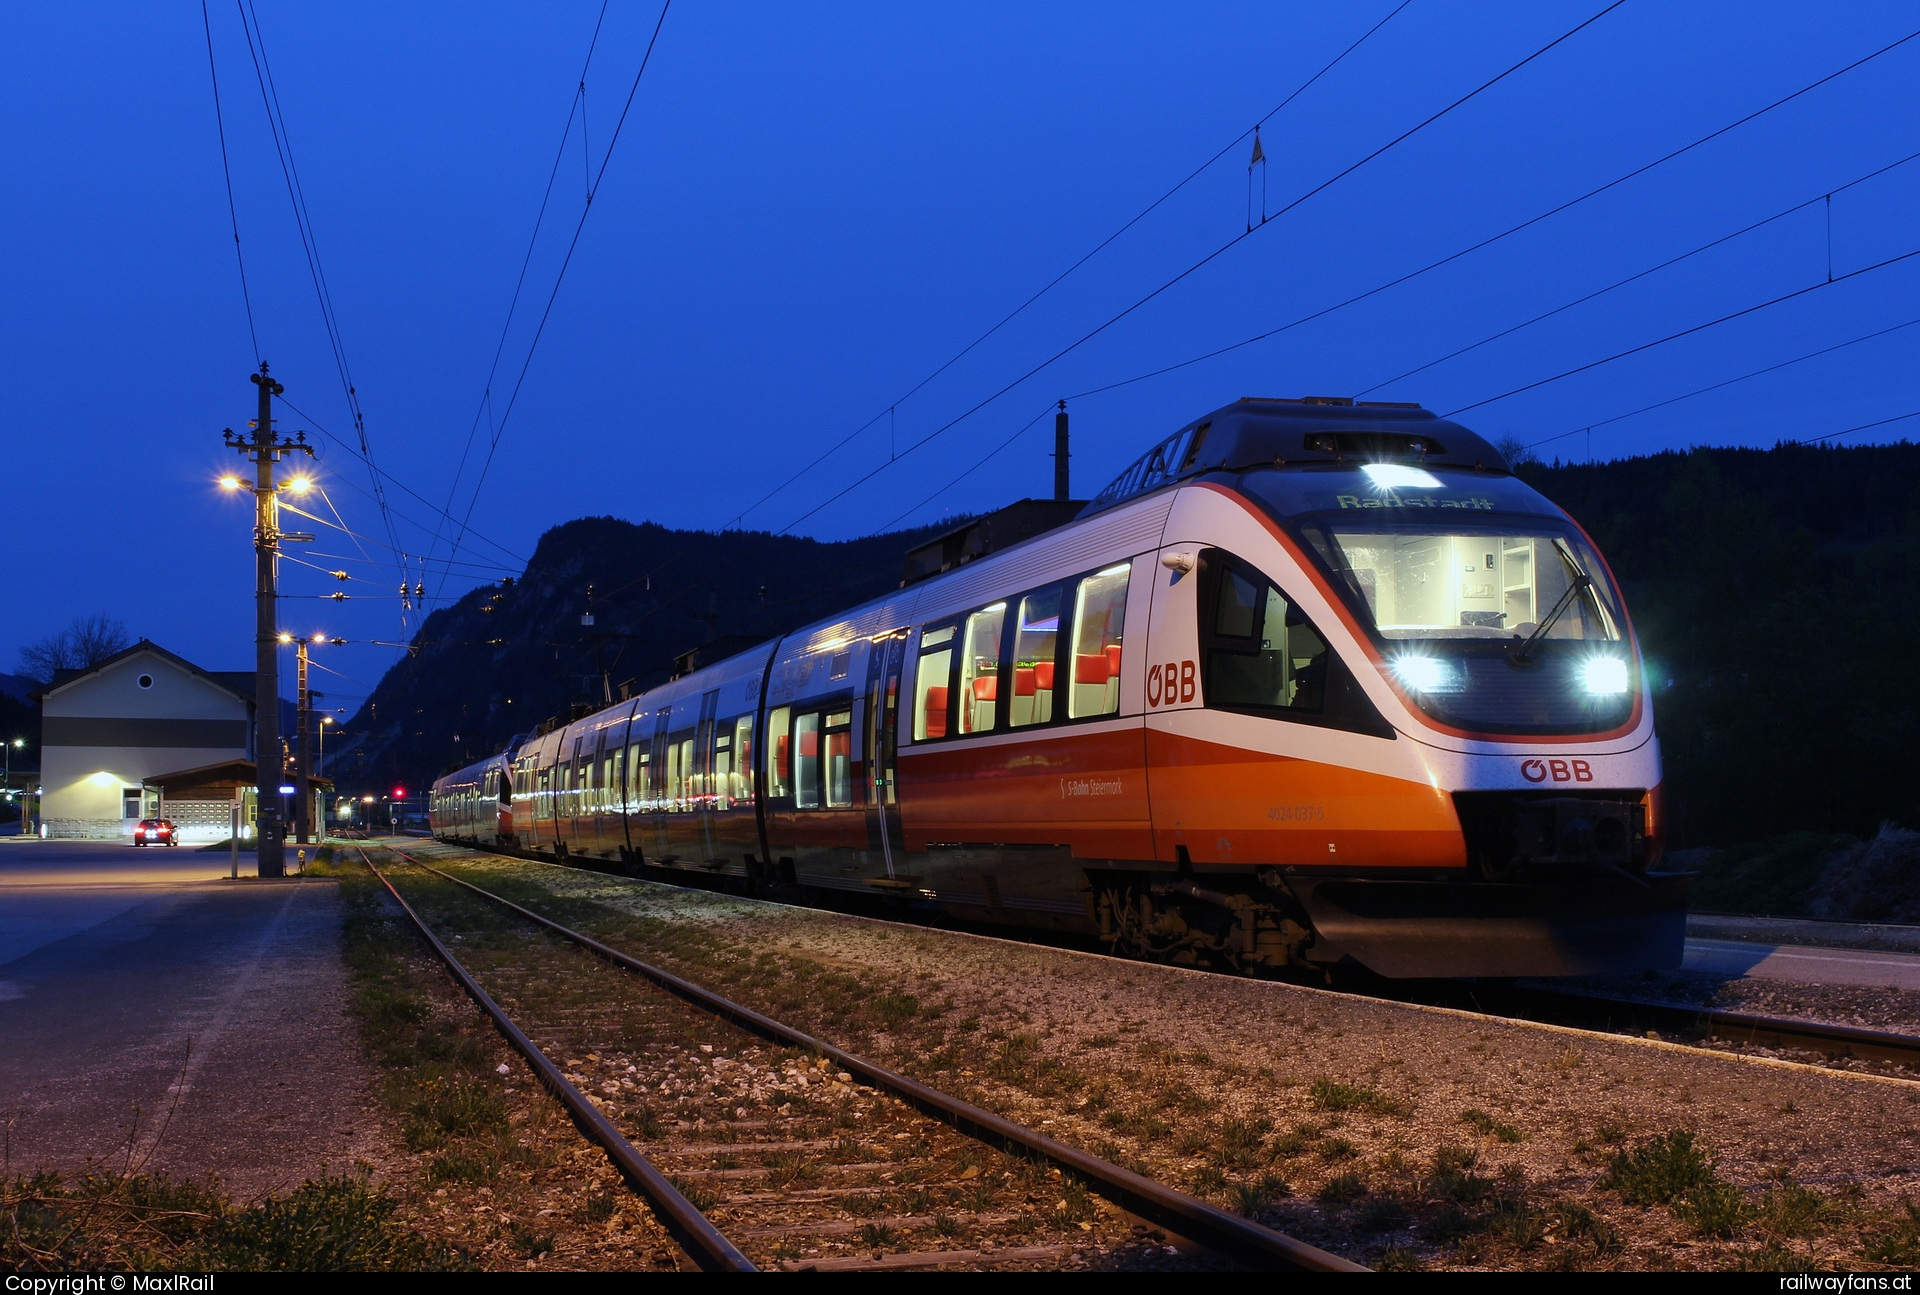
(1411, 1135)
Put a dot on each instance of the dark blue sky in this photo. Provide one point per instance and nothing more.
(813, 207)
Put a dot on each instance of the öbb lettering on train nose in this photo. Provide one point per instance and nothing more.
(1172, 683)
(1538, 770)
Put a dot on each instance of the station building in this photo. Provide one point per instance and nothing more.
(116, 737)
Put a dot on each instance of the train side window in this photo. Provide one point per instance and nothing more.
(806, 762)
(779, 754)
(688, 788)
(932, 681)
(1099, 628)
(1261, 652)
(839, 767)
(980, 670)
(740, 782)
(1036, 641)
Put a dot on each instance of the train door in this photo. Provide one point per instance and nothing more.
(882, 739)
(704, 790)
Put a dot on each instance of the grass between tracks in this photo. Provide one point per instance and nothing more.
(1348, 1173)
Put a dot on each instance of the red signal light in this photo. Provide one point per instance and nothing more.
(399, 793)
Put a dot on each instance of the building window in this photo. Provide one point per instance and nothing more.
(146, 681)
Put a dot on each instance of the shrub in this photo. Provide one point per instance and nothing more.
(1660, 1170)
(1331, 1095)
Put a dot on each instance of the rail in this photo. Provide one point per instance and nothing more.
(1241, 1239)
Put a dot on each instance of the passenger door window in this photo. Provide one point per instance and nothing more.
(932, 680)
(779, 753)
(839, 768)
(806, 762)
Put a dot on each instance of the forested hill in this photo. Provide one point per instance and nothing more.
(1776, 594)
(1777, 598)
(502, 659)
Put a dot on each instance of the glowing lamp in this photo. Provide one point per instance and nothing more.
(1606, 676)
(1423, 673)
(300, 485)
(288, 791)
(229, 482)
(1398, 476)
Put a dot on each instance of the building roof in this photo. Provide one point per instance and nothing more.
(226, 680)
(226, 774)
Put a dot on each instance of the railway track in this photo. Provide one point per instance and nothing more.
(784, 1151)
(1628, 1015)
(1606, 1013)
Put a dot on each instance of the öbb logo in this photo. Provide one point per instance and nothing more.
(1559, 770)
(1170, 684)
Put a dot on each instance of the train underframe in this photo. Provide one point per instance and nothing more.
(1559, 886)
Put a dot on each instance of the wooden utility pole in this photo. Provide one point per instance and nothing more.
(266, 448)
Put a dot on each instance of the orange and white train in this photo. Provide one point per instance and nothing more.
(1312, 680)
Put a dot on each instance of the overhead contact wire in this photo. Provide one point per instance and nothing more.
(1495, 238)
(1235, 241)
(1055, 282)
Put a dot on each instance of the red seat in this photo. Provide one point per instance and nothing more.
(1090, 668)
(810, 744)
(1024, 680)
(1113, 660)
(1043, 675)
(935, 718)
(780, 756)
(986, 688)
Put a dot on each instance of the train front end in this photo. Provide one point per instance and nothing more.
(1420, 726)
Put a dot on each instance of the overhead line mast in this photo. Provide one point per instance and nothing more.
(265, 448)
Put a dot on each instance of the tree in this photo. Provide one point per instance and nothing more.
(83, 644)
(1515, 451)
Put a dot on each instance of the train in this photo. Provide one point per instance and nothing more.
(1313, 683)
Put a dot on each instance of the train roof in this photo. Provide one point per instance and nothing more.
(1256, 431)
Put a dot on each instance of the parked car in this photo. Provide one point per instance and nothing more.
(155, 831)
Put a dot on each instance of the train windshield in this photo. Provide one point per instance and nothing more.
(1478, 581)
(1501, 624)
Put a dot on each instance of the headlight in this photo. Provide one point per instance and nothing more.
(1424, 674)
(1606, 676)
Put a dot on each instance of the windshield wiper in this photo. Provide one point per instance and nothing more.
(1520, 654)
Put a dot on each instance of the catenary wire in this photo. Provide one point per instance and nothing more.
(1688, 332)
(1235, 241)
(1728, 382)
(320, 428)
(233, 214)
(309, 242)
(1898, 418)
(576, 108)
(1495, 238)
(540, 330)
(1814, 201)
(985, 459)
(1051, 284)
